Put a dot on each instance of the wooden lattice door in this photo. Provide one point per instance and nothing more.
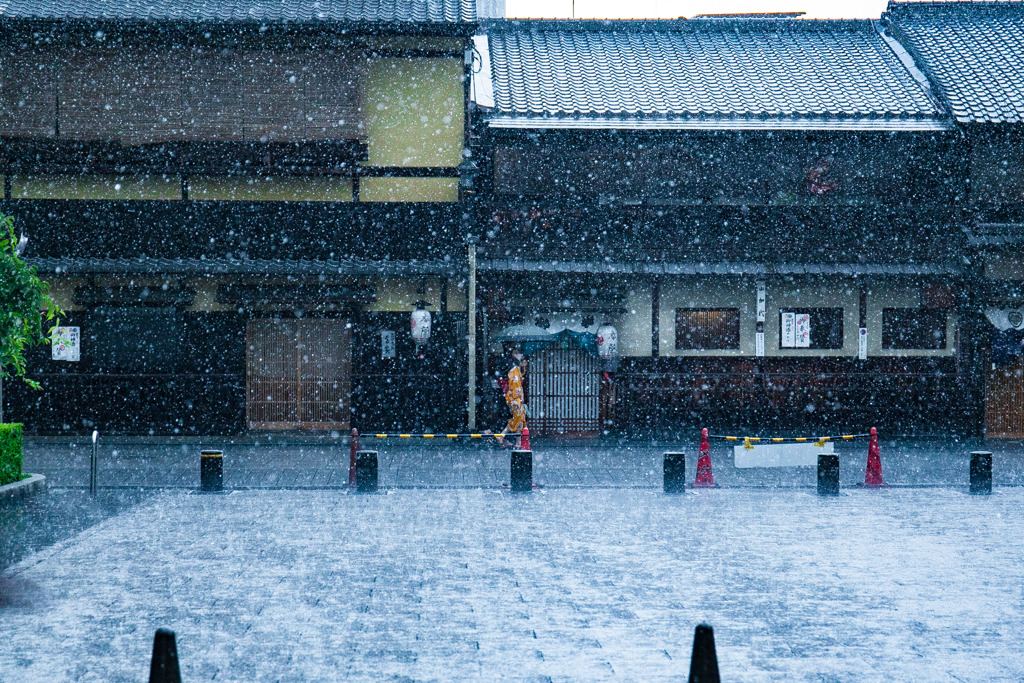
(298, 374)
(564, 391)
(1004, 401)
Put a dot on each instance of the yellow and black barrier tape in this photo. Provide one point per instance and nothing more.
(819, 441)
(400, 435)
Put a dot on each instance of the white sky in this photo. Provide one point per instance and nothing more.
(620, 9)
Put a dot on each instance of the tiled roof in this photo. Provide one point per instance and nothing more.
(225, 266)
(718, 268)
(974, 52)
(765, 73)
(308, 11)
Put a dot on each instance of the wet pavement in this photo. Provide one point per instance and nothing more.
(32, 523)
(916, 584)
(446, 574)
(634, 463)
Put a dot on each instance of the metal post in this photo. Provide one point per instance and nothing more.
(674, 473)
(471, 338)
(93, 463)
(366, 472)
(353, 449)
(211, 471)
(828, 474)
(521, 471)
(163, 668)
(981, 472)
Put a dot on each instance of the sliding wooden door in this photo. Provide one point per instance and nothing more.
(298, 374)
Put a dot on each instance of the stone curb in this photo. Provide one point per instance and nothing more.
(36, 483)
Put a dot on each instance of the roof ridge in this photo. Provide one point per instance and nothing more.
(680, 25)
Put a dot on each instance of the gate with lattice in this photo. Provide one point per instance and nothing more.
(564, 392)
(1004, 401)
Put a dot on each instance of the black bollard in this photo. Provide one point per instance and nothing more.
(211, 471)
(981, 472)
(522, 471)
(164, 666)
(675, 473)
(828, 474)
(366, 471)
(704, 660)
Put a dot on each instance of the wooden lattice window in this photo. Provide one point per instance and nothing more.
(703, 329)
(298, 374)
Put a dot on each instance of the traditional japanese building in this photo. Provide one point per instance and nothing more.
(973, 52)
(770, 212)
(239, 204)
(791, 225)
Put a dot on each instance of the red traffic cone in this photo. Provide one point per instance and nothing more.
(873, 475)
(524, 442)
(704, 476)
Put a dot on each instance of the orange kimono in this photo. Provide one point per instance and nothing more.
(515, 400)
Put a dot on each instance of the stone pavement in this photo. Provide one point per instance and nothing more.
(277, 462)
(918, 584)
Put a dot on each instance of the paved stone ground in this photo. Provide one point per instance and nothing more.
(403, 463)
(32, 523)
(923, 584)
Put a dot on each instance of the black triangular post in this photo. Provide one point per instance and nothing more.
(164, 667)
(704, 661)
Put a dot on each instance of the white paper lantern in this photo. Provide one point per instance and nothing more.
(607, 341)
(420, 326)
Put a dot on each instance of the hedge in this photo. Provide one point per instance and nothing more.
(10, 453)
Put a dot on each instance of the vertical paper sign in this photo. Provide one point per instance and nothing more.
(803, 331)
(387, 343)
(862, 344)
(788, 330)
(759, 334)
(66, 344)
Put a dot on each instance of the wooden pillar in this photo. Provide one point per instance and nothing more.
(471, 338)
(656, 318)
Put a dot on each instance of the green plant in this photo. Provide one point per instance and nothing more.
(10, 453)
(27, 313)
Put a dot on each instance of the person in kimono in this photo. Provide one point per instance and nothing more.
(514, 396)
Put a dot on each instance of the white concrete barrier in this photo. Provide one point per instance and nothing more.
(780, 454)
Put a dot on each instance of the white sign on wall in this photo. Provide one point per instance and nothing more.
(67, 344)
(759, 335)
(788, 340)
(796, 330)
(387, 343)
(862, 344)
(803, 330)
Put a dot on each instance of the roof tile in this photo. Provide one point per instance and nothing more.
(974, 51)
(399, 11)
(720, 68)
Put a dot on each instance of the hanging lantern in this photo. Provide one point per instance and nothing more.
(607, 341)
(419, 323)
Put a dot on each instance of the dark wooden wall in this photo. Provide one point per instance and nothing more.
(171, 373)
